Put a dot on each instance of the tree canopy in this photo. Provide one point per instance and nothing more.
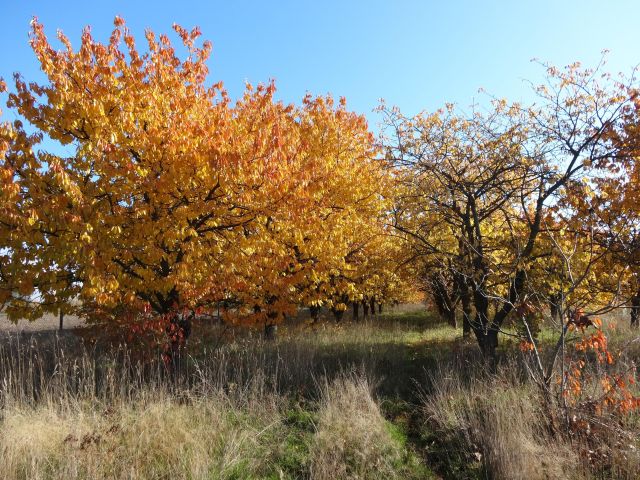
(172, 196)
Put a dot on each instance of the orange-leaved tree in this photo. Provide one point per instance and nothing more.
(170, 197)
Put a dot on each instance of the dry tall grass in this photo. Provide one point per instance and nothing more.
(293, 408)
(115, 419)
(497, 425)
(353, 438)
(230, 414)
(500, 427)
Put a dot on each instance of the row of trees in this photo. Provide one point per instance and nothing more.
(173, 198)
(516, 211)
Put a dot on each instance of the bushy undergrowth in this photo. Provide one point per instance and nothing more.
(205, 434)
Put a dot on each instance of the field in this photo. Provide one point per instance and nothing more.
(45, 324)
(397, 396)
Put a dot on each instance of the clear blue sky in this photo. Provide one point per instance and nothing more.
(415, 54)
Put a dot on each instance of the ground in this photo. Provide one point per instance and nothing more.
(401, 395)
(48, 322)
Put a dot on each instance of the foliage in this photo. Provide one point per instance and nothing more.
(172, 197)
(488, 200)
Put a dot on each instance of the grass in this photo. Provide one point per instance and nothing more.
(401, 396)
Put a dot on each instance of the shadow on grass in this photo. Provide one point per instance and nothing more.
(399, 353)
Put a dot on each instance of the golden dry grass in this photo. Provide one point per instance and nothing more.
(353, 440)
(249, 409)
(331, 401)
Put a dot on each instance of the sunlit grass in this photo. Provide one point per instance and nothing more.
(389, 397)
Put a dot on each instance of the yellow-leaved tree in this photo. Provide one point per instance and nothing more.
(171, 197)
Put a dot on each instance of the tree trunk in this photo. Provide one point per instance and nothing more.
(439, 297)
(271, 322)
(270, 331)
(451, 318)
(466, 326)
(365, 309)
(314, 311)
(488, 342)
(372, 306)
(465, 298)
(486, 331)
(337, 314)
(554, 306)
(466, 313)
(446, 296)
(635, 310)
(380, 309)
(61, 319)
(178, 331)
(356, 311)
(271, 325)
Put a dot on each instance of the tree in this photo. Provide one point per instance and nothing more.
(172, 198)
(615, 202)
(479, 187)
